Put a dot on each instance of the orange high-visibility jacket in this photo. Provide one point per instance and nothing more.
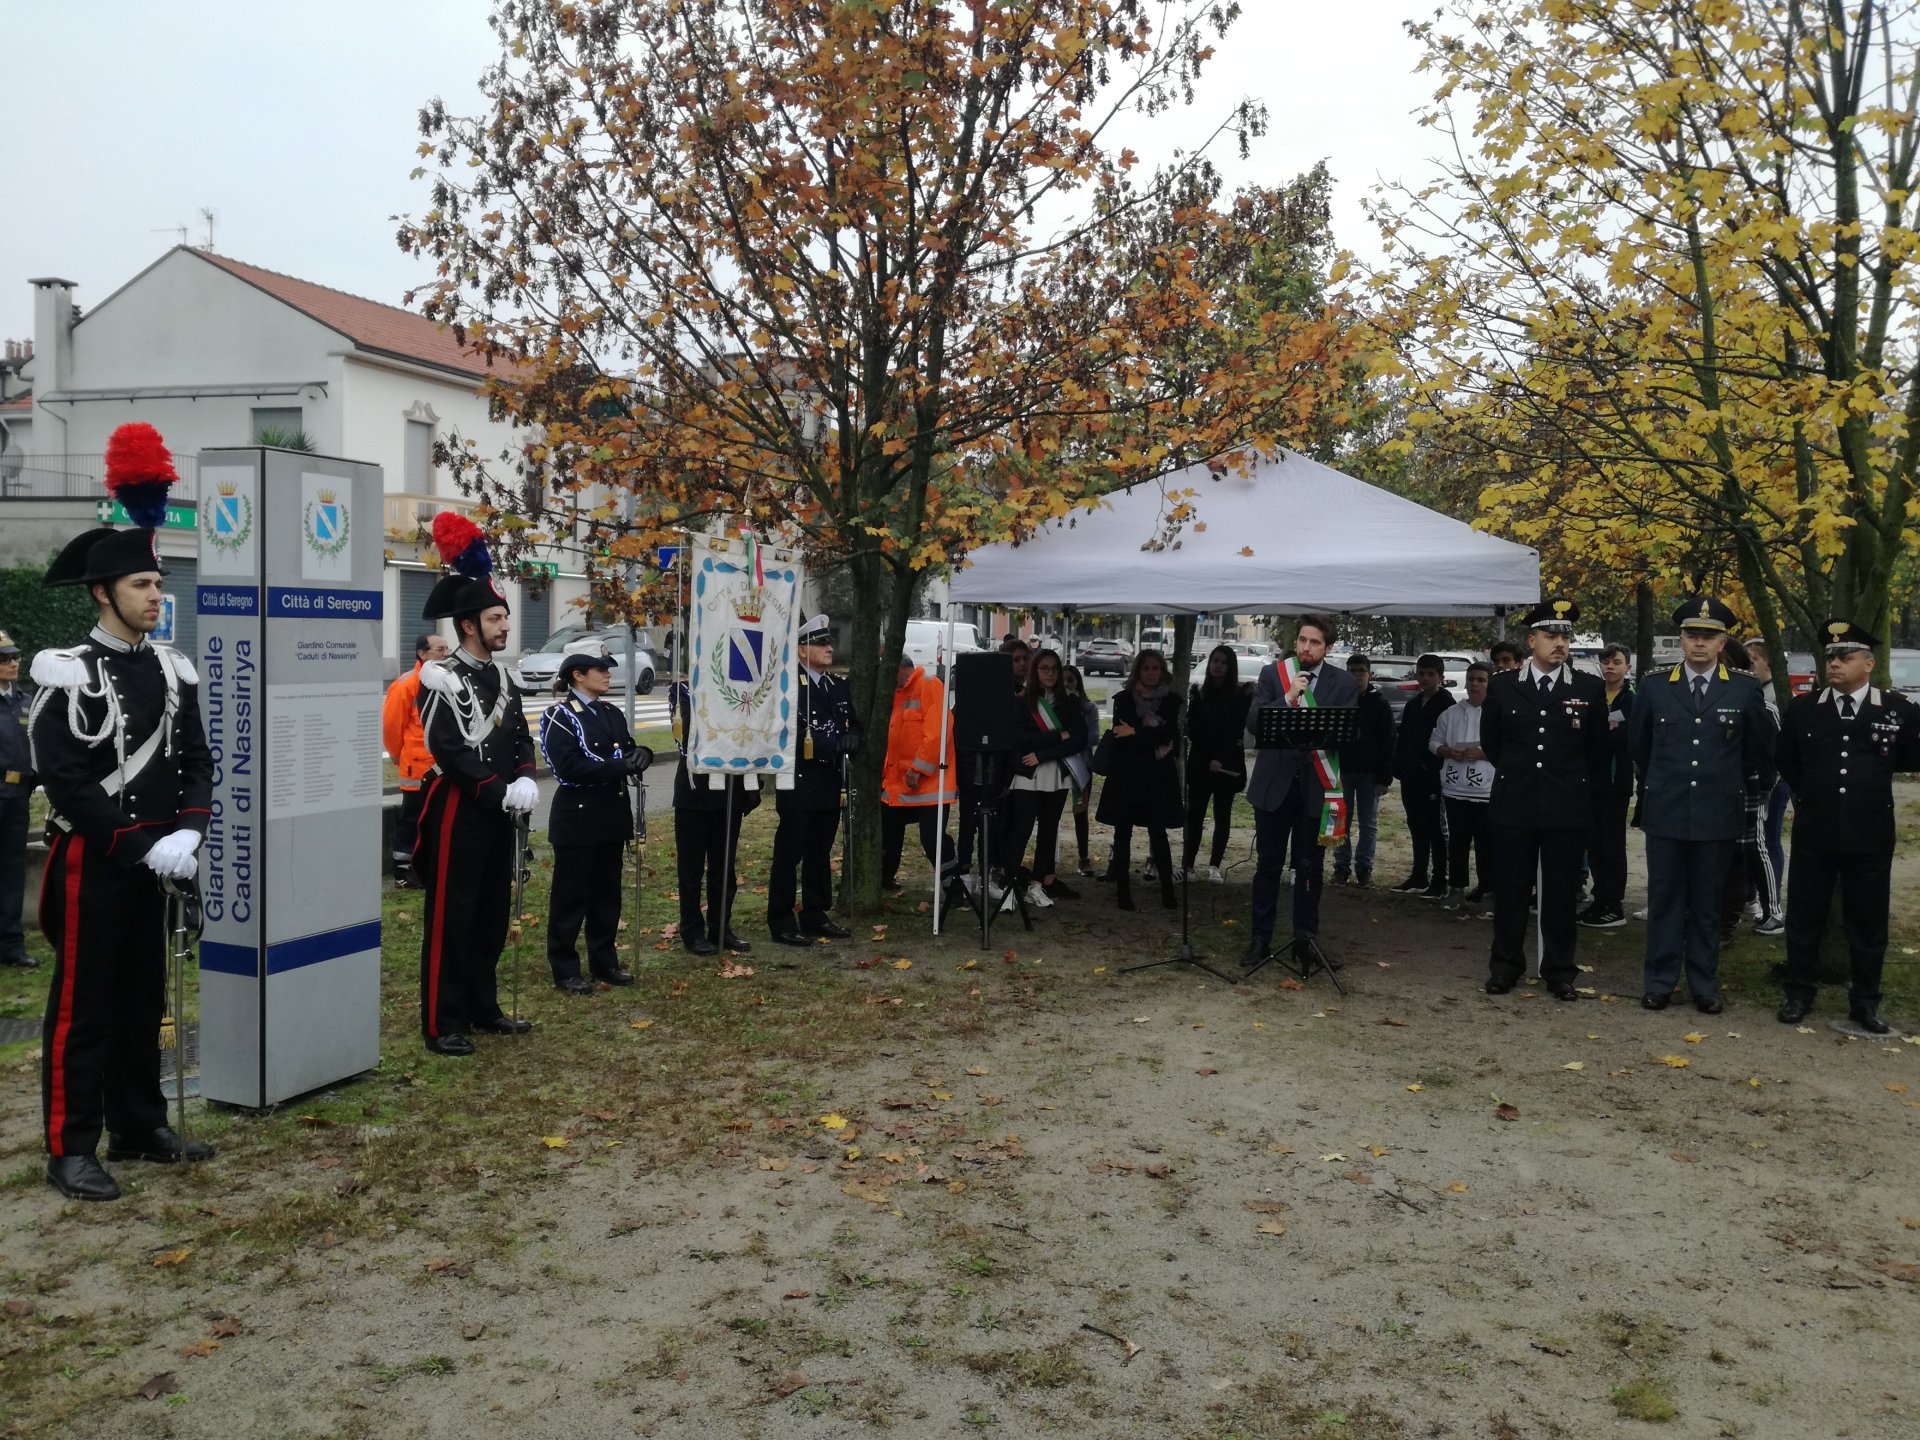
(912, 774)
(400, 730)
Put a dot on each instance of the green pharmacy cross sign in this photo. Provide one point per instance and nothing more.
(112, 512)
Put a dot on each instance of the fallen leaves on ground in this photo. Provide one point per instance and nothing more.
(868, 1190)
(640, 1024)
(1508, 1112)
(797, 1295)
(473, 1331)
(555, 1142)
(173, 1257)
(1456, 1188)
(1266, 1207)
(1271, 1227)
(199, 1349)
(1159, 1169)
(447, 1265)
(903, 963)
(1675, 1062)
(774, 1162)
(1334, 1158)
(226, 1327)
(19, 1309)
(1693, 1037)
(165, 1383)
(833, 1122)
(1574, 1065)
(730, 970)
(1416, 1088)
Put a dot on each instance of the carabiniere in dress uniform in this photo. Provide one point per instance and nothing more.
(810, 811)
(118, 744)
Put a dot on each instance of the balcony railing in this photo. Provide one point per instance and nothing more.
(79, 477)
(408, 517)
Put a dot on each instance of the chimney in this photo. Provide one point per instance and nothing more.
(52, 335)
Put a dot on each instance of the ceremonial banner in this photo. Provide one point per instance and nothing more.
(742, 659)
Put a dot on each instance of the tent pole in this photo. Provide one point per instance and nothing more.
(942, 660)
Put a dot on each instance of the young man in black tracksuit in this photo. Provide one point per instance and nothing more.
(1367, 765)
(1418, 771)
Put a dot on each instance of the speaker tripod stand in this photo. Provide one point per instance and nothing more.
(986, 811)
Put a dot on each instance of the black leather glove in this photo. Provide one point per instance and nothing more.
(639, 760)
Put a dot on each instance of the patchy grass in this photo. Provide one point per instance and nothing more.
(1645, 1398)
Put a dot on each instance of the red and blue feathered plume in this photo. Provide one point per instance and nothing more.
(140, 473)
(462, 544)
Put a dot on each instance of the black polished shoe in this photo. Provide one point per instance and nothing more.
(1497, 987)
(1412, 885)
(451, 1043)
(698, 945)
(733, 942)
(1563, 991)
(1870, 1022)
(1256, 953)
(503, 1025)
(1793, 1011)
(19, 962)
(80, 1177)
(1653, 1001)
(794, 938)
(617, 977)
(161, 1147)
(827, 930)
(1713, 1005)
(574, 985)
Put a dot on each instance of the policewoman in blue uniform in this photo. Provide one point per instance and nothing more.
(593, 755)
(1840, 748)
(480, 785)
(119, 747)
(1695, 735)
(708, 844)
(810, 812)
(1544, 727)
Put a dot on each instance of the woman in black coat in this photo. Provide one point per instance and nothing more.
(1053, 741)
(1216, 757)
(592, 754)
(1143, 778)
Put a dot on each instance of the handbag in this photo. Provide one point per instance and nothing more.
(1102, 762)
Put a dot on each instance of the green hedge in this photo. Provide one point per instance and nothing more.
(37, 617)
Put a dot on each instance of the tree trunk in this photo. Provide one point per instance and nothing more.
(1642, 627)
(877, 632)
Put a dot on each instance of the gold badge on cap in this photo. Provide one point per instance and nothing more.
(1703, 610)
(1837, 629)
(1560, 607)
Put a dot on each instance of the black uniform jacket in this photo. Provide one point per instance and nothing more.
(689, 795)
(172, 791)
(826, 714)
(586, 744)
(1548, 754)
(456, 697)
(16, 755)
(1841, 771)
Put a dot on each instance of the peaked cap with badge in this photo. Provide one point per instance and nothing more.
(1843, 635)
(1705, 613)
(1556, 614)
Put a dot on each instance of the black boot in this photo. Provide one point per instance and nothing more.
(161, 1146)
(80, 1177)
(1123, 890)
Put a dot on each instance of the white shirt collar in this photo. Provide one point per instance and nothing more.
(1686, 668)
(1535, 674)
(1863, 696)
(100, 635)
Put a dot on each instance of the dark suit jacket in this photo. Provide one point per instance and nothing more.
(1696, 757)
(1547, 754)
(1841, 772)
(1276, 772)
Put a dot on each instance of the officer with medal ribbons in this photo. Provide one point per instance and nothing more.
(810, 812)
(1544, 727)
(592, 755)
(479, 788)
(119, 747)
(1694, 736)
(1840, 747)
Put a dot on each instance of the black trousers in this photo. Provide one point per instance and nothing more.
(1864, 881)
(100, 1045)
(586, 889)
(706, 851)
(1607, 851)
(1427, 826)
(1157, 845)
(13, 875)
(1033, 815)
(465, 863)
(1518, 854)
(1204, 790)
(406, 829)
(1467, 840)
(971, 815)
(803, 842)
(894, 821)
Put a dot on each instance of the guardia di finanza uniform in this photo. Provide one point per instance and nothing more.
(1841, 772)
(1695, 738)
(591, 752)
(464, 857)
(810, 811)
(1546, 748)
(119, 746)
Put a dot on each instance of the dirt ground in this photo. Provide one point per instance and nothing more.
(917, 1186)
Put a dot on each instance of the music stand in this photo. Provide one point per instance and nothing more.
(1303, 727)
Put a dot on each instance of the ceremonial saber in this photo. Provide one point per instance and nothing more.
(179, 941)
(520, 829)
(639, 854)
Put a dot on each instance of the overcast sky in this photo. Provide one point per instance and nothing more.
(296, 125)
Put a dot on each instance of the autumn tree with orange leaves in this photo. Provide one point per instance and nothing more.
(869, 277)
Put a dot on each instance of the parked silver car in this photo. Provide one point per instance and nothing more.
(538, 668)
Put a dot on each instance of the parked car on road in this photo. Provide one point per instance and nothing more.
(538, 669)
(1102, 656)
(1905, 665)
(926, 639)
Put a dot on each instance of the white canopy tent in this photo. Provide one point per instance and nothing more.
(1290, 535)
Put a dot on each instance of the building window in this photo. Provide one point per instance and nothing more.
(419, 457)
(278, 426)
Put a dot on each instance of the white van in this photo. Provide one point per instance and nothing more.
(925, 639)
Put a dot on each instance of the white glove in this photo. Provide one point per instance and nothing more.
(522, 795)
(172, 856)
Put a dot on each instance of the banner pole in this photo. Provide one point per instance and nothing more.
(942, 661)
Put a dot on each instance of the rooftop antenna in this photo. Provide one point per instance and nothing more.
(179, 230)
(207, 215)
